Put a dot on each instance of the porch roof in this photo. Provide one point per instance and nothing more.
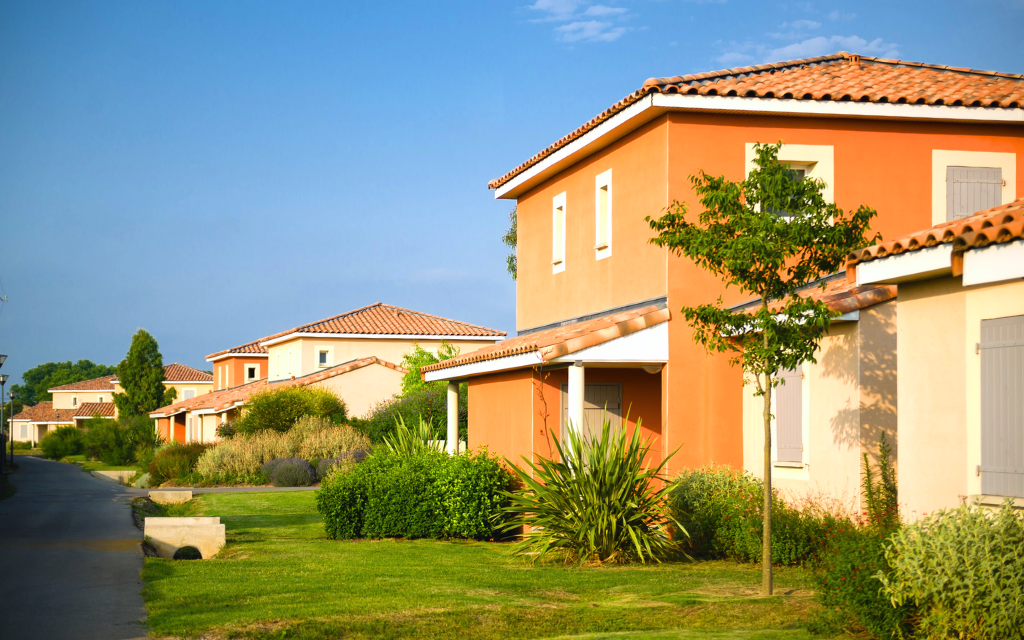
(44, 413)
(551, 344)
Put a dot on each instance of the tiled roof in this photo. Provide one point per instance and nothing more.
(840, 294)
(227, 398)
(90, 409)
(96, 384)
(45, 413)
(183, 373)
(253, 347)
(997, 225)
(385, 319)
(560, 341)
(837, 77)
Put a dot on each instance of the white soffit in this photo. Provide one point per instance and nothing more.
(994, 263)
(913, 265)
(519, 361)
(648, 345)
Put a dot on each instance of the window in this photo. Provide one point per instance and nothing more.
(279, 365)
(74, 401)
(101, 398)
(789, 416)
(322, 357)
(289, 362)
(252, 373)
(558, 233)
(220, 377)
(24, 431)
(603, 215)
(972, 189)
(796, 174)
(815, 160)
(188, 394)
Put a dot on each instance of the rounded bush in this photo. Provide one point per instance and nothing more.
(63, 442)
(176, 462)
(289, 472)
(349, 459)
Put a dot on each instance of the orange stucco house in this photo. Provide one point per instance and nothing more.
(597, 305)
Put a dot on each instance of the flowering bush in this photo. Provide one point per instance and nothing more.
(289, 472)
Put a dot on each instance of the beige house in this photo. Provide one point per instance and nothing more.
(74, 403)
(960, 356)
(827, 414)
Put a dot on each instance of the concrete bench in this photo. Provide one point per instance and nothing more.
(170, 497)
(167, 535)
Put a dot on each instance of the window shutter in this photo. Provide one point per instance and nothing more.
(972, 189)
(189, 394)
(789, 416)
(1002, 407)
(596, 399)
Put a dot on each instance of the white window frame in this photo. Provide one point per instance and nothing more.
(788, 471)
(101, 398)
(255, 366)
(603, 246)
(330, 357)
(943, 159)
(74, 401)
(558, 220)
(817, 161)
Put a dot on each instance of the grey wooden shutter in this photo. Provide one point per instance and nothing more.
(789, 416)
(972, 189)
(597, 398)
(1002, 407)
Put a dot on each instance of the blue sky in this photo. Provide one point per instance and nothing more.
(216, 172)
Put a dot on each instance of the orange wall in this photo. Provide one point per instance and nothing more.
(230, 372)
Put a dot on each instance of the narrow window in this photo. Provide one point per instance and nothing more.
(101, 398)
(74, 402)
(789, 416)
(796, 175)
(323, 357)
(289, 362)
(603, 215)
(251, 374)
(279, 365)
(558, 234)
(220, 377)
(24, 431)
(972, 189)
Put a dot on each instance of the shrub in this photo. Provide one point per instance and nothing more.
(226, 430)
(121, 442)
(429, 403)
(722, 508)
(962, 568)
(880, 495)
(415, 441)
(242, 456)
(347, 462)
(19, 445)
(278, 409)
(601, 501)
(289, 472)
(62, 442)
(429, 495)
(175, 462)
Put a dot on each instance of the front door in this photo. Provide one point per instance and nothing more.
(601, 401)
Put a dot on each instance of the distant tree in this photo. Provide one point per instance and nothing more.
(170, 396)
(141, 374)
(38, 379)
(770, 236)
(510, 240)
(418, 358)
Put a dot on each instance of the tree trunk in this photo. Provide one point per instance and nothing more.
(766, 545)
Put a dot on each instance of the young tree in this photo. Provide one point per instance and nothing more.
(510, 240)
(419, 358)
(141, 374)
(769, 235)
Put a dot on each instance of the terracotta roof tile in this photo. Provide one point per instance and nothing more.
(840, 294)
(560, 341)
(91, 409)
(183, 373)
(247, 348)
(385, 319)
(997, 225)
(45, 413)
(106, 383)
(837, 77)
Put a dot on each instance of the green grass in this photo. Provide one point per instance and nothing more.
(97, 465)
(280, 577)
(27, 452)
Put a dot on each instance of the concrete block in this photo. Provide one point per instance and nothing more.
(170, 497)
(121, 477)
(167, 535)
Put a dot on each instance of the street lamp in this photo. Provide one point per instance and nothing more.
(3, 456)
(10, 394)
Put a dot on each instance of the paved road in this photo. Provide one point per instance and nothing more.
(70, 557)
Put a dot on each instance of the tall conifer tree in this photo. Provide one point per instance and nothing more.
(141, 374)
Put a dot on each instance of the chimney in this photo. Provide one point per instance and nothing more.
(855, 60)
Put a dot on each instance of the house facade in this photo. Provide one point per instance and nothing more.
(77, 402)
(239, 365)
(960, 357)
(919, 143)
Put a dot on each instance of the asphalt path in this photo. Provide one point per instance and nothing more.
(70, 556)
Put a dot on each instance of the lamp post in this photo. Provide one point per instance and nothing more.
(3, 454)
(10, 420)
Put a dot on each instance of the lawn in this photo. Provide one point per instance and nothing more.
(280, 577)
(97, 465)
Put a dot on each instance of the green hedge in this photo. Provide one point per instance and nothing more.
(63, 442)
(430, 495)
(175, 462)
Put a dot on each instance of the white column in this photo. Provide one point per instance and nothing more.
(576, 396)
(453, 417)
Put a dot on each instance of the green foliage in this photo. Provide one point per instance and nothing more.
(279, 409)
(141, 374)
(18, 445)
(411, 442)
(121, 442)
(429, 495)
(722, 509)
(38, 379)
(170, 396)
(880, 495)
(962, 569)
(601, 501)
(849, 589)
(418, 358)
(175, 462)
(510, 240)
(430, 403)
(62, 442)
(289, 472)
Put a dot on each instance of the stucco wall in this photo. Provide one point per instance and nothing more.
(304, 352)
(363, 388)
(230, 372)
(65, 399)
